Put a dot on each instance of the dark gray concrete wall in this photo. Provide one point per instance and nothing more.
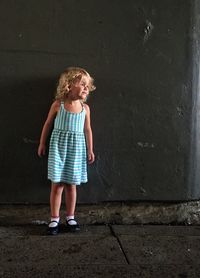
(141, 55)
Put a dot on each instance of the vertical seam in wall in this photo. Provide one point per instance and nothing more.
(193, 175)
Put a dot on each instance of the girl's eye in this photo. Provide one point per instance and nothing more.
(84, 84)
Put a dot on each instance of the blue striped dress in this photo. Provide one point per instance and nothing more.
(67, 160)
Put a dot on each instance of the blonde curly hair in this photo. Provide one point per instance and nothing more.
(68, 77)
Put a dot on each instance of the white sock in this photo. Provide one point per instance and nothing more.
(54, 224)
(71, 222)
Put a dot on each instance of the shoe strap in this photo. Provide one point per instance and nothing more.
(53, 222)
(71, 219)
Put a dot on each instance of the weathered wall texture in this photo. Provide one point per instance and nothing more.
(140, 53)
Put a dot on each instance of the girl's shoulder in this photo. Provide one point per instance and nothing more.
(56, 105)
(86, 106)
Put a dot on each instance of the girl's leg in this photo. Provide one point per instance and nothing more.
(55, 199)
(70, 199)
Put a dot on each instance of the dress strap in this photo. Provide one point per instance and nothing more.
(62, 104)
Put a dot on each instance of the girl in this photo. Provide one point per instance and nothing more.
(67, 160)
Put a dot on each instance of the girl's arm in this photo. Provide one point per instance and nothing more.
(88, 135)
(47, 127)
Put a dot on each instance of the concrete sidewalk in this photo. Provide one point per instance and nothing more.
(104, 250)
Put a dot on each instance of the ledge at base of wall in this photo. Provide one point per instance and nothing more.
(179, 213)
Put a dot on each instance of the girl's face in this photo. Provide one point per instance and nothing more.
(80, 89)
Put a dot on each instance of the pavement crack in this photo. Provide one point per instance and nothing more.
(120, 244)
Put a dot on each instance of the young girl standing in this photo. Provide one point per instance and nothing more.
(68, 149)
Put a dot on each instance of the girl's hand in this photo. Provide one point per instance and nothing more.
(41, 150)
(91, 157)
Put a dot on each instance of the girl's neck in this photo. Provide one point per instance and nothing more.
(72, 101)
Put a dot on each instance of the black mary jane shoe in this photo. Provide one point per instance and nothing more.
(72, 228)
(53, 230)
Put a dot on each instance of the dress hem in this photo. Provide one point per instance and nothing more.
(67, 182)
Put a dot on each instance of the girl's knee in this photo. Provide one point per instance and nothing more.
(70, 187)
(57, 188)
